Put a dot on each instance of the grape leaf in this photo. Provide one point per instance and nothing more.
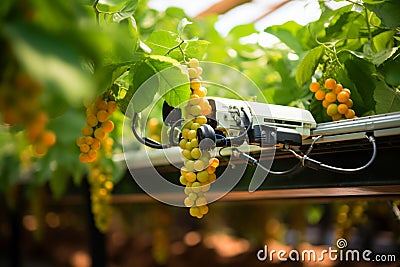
(126, 11)
(387, 98)
(241, 31)
(308, 65)
(357, 77)
(140, 75)
(383, 40)
(196, 48)
(162, 41)
(174, 84)
(109, 73)
(288, 34)
(390, 71)
(383, 55)
(388, 11)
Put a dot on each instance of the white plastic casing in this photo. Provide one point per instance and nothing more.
(294, 118)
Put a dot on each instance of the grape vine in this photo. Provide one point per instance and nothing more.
(199, 166)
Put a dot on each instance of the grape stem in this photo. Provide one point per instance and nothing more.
(175, 47)
(96, 11)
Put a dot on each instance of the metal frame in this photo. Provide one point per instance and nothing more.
(344, 138)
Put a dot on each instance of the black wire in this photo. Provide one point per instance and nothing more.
(256, 162)
(145, 141)
(314, 164)
(223, 138)
(345, 170)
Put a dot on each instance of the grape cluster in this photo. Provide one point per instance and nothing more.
(335, 99)
(101, 186)
(98, 125)
(21, 106)
(199, 167)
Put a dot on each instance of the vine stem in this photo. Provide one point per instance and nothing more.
(96, 11)
(175, 47)
(368, 26)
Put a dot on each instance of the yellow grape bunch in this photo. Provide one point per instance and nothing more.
(335, 99)
(199, 167)
(94, 146)
(98, 125)
(20, 105)
(101, 186)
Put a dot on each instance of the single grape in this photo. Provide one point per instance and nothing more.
(191, 134)
(338, 88)
(195, 110)
(195, 153)
(201, 201)
(320, 95)
(195, 85)
(100, 134)
(194, 99)
(192, 73)
(314, 87)
(108, 126)
(342, 108)
(343, 96)
(349, 114)
(199, 165)
(189, 165)
(190, 177)
(201, 120)
(182, 143)
(195, 125)
(332, 109)
(188, 202)
(202, 176)
(182, 180)
(214, 162)
(186, 154)
(194, 63)
(330, 97)
(330, 84)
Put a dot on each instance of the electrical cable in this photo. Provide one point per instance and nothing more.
(223, 138)
(312, 144)
(145, 141)
(257, 163)
(306, 161)
(316, 165)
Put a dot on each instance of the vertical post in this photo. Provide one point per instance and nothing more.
(15, 242)
(96, 239)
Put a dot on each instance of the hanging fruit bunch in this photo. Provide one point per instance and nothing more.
(20, 106)
(95, 148)
(199, 167)
(98, 125)
(101, 186)
(334, 98)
